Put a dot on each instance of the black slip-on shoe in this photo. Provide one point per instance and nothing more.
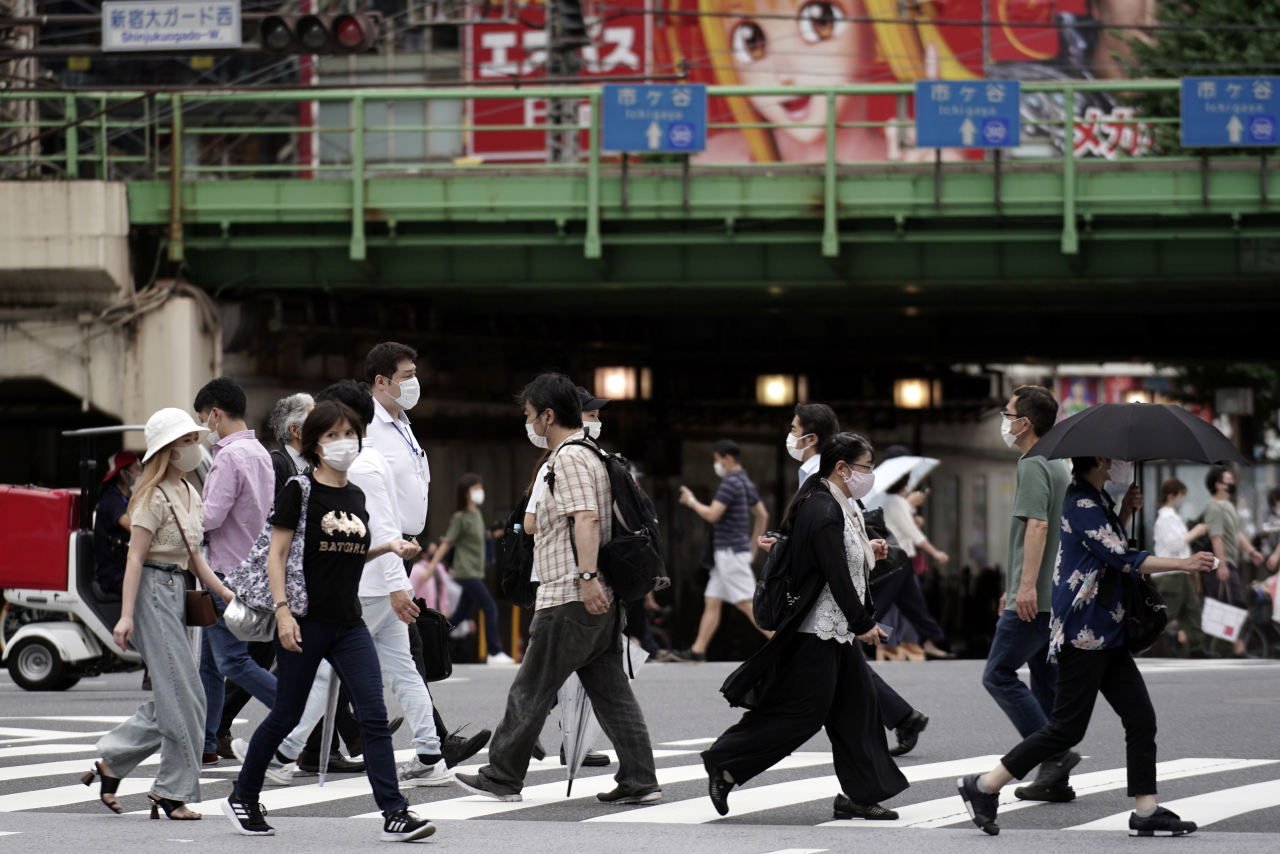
(309, 761)
(540, 753)
(478, 785)
(981, 806)
(847, 809)
(618, 796)
(1053, 774)
(455, 749)
(1162, 822)
(909, 733)
(405, 826)
(1037, 791)
(686, 656)
(718, 789)
(248, 819)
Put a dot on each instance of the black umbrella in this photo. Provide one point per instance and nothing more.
(1135, 432)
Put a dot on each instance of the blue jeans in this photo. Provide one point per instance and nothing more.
(352, 654)
(1016, 643)
(222, 654)
(474, 592)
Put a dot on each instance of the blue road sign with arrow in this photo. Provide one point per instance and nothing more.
(654, 118)
(1230, 111)
(967, 113)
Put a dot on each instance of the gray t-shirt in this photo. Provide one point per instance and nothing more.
(1223, 522)
(1042, 487)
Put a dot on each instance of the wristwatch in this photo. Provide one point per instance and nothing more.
(588, 576)
(280, 605)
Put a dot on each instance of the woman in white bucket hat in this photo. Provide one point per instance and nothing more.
(166, 513)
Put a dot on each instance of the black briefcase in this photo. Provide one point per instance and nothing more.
(434, 629)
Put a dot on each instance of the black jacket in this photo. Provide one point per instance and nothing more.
(284, 468)
(818, 559)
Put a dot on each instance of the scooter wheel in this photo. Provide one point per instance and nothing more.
(35, 665)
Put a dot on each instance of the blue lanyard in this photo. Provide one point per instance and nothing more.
(414, 450)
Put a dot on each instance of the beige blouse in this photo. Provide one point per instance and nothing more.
(166, 541)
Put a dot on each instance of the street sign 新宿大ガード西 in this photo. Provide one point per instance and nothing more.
(1229, 111)
(654, 118)
(178, 25)
(967, 113)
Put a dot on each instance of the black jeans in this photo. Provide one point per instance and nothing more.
(903, 589)
(1082, 675)
(354, 658)
(564, 640)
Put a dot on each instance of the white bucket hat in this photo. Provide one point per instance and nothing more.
(169, 425)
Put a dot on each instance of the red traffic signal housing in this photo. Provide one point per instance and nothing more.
(320, 34)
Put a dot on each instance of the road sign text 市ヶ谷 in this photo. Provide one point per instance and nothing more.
(1227, 111)
(654, 118)
(967, 113)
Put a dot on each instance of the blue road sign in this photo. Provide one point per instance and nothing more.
(967, 113)
(654, 118)
(1227, 111)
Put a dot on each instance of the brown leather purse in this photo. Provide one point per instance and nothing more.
(200, 610)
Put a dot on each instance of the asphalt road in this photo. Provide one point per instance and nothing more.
(1219, 748)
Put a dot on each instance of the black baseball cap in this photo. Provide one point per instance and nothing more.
(590, 402)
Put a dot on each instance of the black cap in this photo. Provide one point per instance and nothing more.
(590, 403)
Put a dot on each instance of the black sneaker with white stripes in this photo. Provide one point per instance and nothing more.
(405, 826)
(247, 818)
(1162, 822)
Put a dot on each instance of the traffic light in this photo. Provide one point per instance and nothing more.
(320, 33)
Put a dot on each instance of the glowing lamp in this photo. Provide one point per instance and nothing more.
(616, 383)
(775, 390)
(916, 394)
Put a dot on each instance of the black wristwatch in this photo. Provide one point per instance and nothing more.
(588, 576)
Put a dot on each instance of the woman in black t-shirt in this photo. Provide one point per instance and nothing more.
(336, 547)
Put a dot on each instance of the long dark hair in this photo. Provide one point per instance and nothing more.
(465, 483)
(537, 467)
(840, 448)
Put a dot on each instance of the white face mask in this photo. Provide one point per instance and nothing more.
(793, 441)
(213, 436)
(1119, 472)
(340, 453)
(1006, 432)
(859, 483)
(477, 496)
(538, 441)
(719, 467)
(188, 458)
(592, 428)
(409, 393)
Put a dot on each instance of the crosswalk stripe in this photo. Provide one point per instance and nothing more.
(53, 769)
(61, 796)
(950, 810)
(45, 750)
(758, 798)
(58, 735)
(1205, 809)
(689, 742)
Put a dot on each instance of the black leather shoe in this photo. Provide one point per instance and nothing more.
(457, 749)
(540, 753)
(591, 760)
(909, 733)
(718, 789)
(224, 747)
(309, 761)
(847, 809)
(1058, 794)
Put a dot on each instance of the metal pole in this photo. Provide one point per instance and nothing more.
(176, 252)
(591, 248)
(357, 180)
(70, 141)
(626, 184)
(986, 36)
(1070, 237)
(102, 139)
(830, 235)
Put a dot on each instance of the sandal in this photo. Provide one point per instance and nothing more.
(169, 806)
(109, 786)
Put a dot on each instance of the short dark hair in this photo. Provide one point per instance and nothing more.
(555, 392)
(1214, 477)
(1037, 405)
(1081, 466)
(224, 393)
(355, 396)
(842, 447)
(384, 360)
(326, 414)
(727, 448)
(900, 484)
(1171, 487)
(465, 483)
(818, 419)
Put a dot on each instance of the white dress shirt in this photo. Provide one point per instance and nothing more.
(900, 519)
(809, 466)
(411, 474)
(383, 575)
(299, 463)
(1171, 534)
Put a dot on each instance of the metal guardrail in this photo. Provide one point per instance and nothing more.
(164, 119)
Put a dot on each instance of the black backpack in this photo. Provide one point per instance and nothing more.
(1145, 613)
(517, 562)
(774, 597)
(631, 562)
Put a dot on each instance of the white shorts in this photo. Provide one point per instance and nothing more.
(732, 579)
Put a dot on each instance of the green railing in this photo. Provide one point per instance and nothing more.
(141, 135)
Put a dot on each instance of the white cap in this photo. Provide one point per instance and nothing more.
(169, 425)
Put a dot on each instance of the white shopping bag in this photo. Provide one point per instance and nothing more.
(1221, 620)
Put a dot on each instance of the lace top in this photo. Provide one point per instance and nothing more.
(825, 619)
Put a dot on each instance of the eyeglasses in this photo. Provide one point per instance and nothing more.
(863, 468)
(1012, 416)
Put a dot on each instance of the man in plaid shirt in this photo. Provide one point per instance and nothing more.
(575, 627)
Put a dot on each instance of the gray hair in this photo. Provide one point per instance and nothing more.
(289, 411)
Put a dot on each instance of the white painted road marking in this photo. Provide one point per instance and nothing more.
(1205, 809)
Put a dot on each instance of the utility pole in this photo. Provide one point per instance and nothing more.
(566, 34)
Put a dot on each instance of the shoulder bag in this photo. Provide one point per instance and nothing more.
(254, 619)
(200, 609)
(437, 664)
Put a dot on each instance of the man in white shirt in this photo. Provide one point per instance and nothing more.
(1172, 539)
(811, 426)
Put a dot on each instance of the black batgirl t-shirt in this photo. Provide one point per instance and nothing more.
(336, 544)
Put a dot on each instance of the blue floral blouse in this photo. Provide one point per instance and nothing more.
(1091, 547)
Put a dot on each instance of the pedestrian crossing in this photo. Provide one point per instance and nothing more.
(805, 777)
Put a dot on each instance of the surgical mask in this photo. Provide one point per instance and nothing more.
(719, 467)
(409, 393)
(477, 495)
(1177, 502)
(188, 458)
(1119, 472)
(592, 428)
(538, 441)
(340, 453)
(797, 453)
(213, 436)
(1006, 432)
(1231, 490)
(859, 483)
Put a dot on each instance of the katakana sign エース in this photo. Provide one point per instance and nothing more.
(1230, 111)
(967, 113)
(654, 118)
(180, 25)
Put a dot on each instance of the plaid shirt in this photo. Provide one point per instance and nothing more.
(581, 483)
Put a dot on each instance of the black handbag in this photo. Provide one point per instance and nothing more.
(434, 629)
(896, 560)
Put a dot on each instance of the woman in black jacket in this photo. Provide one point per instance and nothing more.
(812, 673)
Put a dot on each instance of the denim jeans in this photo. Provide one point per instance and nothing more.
(399, 673)
(563, 640)
(351, 653)
(173, 720)
(1018, 642)
(224, 656)
(474, 592)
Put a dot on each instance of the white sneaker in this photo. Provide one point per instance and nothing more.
(278, 773)
(414, 774)
(500, 658)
